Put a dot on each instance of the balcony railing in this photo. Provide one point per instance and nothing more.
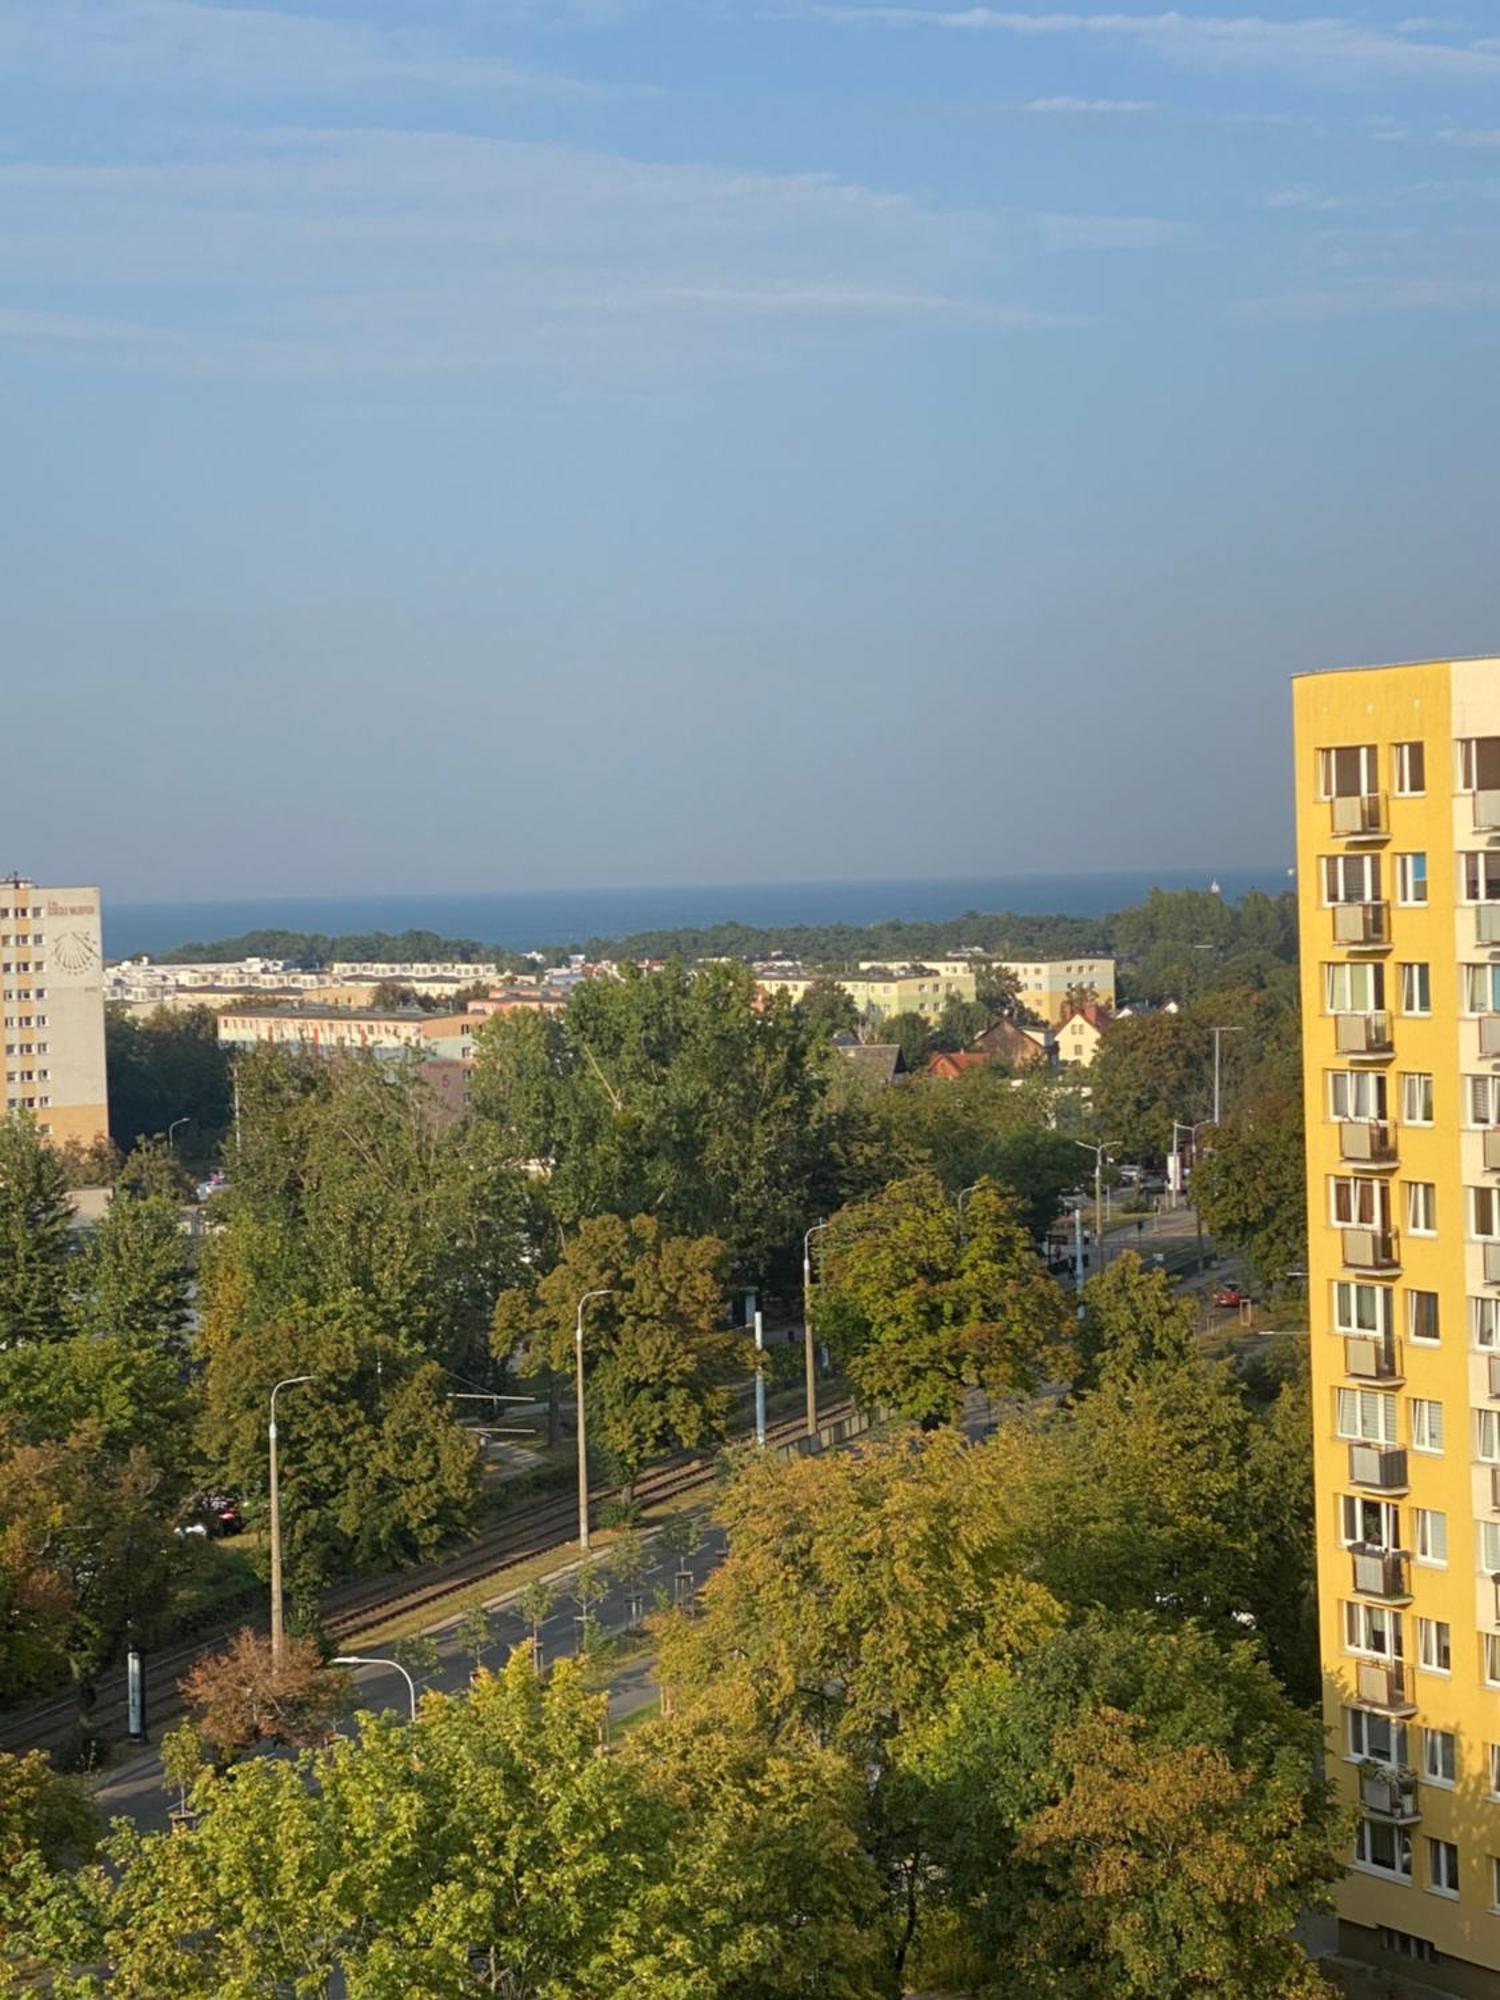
(1382, 1684)
(1364, 1034)
(1492, 1263)
(1487, 923)
(1487, 812)
(1489, 1034)
(1367, 1142)
(1373, 1250)
(1371, 1358)
(1362, 924)
(1360, 816)
(1381, 1573)
(1390, 1795)
(1381, 1466)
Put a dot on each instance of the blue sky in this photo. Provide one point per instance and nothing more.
(579, 441)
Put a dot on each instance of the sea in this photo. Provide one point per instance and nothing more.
(533, 919)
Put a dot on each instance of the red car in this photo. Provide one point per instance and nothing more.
(1231, 1295)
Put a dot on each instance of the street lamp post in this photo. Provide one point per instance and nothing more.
(1181, 1125)
(604, 1292)
(807, 1329)
(963, 1196)
(1219, 1034)
(278, 1635)
(184, 1120)
(365, 1660)
(1098, 1152)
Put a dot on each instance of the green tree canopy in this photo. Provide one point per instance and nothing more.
(1251, 1187)
(35, 1245)
(133, 1280)
(165, 1067)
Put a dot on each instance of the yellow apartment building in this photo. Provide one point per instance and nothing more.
(1398, 849)
(1044, 984)
(52, 982)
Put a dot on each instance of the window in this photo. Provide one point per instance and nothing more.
(1442, 1867)
(1356, 989)
(1481, 990)
(1357, 1202)
(1351, 878)
(1492, 1659)
(1481, 877)
(1489, 1547)
(1487, 1436)
(1348, 772)
(1421, 1208)
(1372, 1629)
(1484, 1322)
(1493, 1764)
(1483, 1099)
(1375, 1736)
(1439, 1756)
(1432, 1537)
(1495, 1881)
(1362, 1308)
(1383, 1847)
(1422, 1316)
(1416, 989)
(1409, 761)
(1484, 1214)
(1411, 879)
(1367, 1416)
(1426, 1425)
(1358, 1095)
(1368, 1524)
(1434, 1646)
(1416, 1097)
(1478, 764)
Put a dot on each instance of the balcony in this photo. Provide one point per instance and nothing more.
(1382, 1685)
(1362, 926)
(1374, 1250)
(1489, 1034)
(1487, 924)
(1486, 812)
(1381, 1467)
(1369, 1358)
(1390, 1795)
(1492, 1263)
(1367, 1142)
(1381, 1573)
(1365, 1034)
(1360, 816)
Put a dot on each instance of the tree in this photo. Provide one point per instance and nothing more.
(912, 1035)
(917, 1314)
(240, 1698)
(1132, 1316)
(44, 1819)
(135, 1276)
(658, 1361)
(959, 1023)
(827, 1007)
(676, 1094)
(998, 990)
(1150, 1070)
(35, 1247)
(124, 1392)
(165, 1067)
(1251, 1189)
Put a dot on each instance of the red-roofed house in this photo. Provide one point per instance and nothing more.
(1080, 1032)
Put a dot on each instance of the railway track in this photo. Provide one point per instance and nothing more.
(530, 1530)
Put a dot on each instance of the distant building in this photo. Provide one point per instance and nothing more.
(442, 1044)
(879, 991)
(884, 1061)
(51, 976)
(519, 1000)
(951, 1063)
(1080, 1032)
(1016, 1043)
(1044, 984)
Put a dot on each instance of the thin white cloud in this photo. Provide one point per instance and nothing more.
(1370, 296)
(1110, 232)
(396, 253)
(1480, 139)
(1087, 107)
(1310, 200)
(1324, 52)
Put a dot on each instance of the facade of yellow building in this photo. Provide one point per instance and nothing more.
(1045, 984)
(52, 981)
(1398, 848)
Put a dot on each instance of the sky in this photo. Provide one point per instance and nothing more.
(545, 443)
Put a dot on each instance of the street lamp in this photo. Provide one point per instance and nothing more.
(807, 1329)
(1219, 1034)
(963, 1196)
(186, 1119)
(278, 1636)
(1181, 1125)
(1098, 1152)
(604, 1292)
(364, 1660)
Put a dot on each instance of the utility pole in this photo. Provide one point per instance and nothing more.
(1219, 1034)
(583, 1443)
(278, 1634)
(808, 1353)
(760, 1380)
(1098, 1152)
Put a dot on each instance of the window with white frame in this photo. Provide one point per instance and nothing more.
(1360, 1308)
(1351, 878)
(1439, 1756)
(1495, 1881)
(1368, 1524)
(1377, 1737)
(1484, 1214)
(1351, 770)
(1482, 1099)
(1442, 1866)
(1355, 1201)
(1373, 1630)
(1487, 1436)
(1431, 1537)
(1478, 764)
(1484, 1322)
(1357, 1096)
(1480, 877)
(1434, 1646)
(1411, 879)
(1488, 1537)
(1422, 1323)
(1492, 1765)
(1416, 1097)
(1409, 769)
(1421, 1208)
(1385, 1848)
(1491, 1655)
(1353, 988)
(1426, 1425)
(1366, 1416)
(1416, 988)
(1481, 990)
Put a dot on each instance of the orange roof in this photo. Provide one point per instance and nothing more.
(953, 1062)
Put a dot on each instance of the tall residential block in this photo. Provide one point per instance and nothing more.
(51, 978)
(1398, 847)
